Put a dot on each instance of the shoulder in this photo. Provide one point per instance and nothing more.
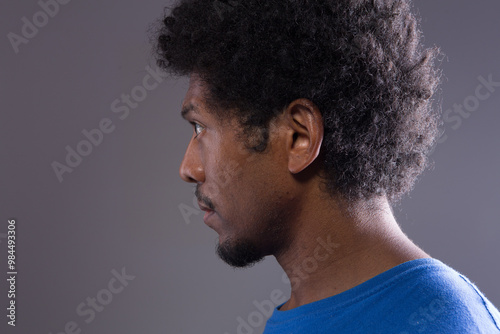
(419, 296)
(440, 299)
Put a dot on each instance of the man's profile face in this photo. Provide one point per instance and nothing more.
(246, 191)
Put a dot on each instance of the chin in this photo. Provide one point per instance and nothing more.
(239, 253)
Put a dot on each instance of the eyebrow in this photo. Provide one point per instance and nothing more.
(187, 109)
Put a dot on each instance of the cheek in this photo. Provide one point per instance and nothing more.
(223, 177)
(230, 168)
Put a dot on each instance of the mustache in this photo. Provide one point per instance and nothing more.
(203, 199)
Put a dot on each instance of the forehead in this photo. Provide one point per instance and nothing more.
(193, 100)
(196, 88)
(197, 102)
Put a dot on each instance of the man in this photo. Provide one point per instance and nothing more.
(312, 118)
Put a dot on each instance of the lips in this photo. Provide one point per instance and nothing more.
(204, 208)
(207, 216)
(208, 212)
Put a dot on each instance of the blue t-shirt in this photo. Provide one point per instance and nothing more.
(419, 296)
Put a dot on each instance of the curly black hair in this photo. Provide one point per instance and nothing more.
(361, 62)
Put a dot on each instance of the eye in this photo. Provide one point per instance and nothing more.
(197, 128)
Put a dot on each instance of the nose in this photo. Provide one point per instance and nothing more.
(191, 169)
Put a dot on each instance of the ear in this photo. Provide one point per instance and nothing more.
(304, 135)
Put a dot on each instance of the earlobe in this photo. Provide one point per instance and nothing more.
(305, 135)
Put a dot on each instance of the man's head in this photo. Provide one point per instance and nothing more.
(253, 196)
(290, 94)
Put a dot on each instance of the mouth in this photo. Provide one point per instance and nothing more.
(207, 216)
(208, 212)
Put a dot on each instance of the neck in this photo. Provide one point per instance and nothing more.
(335, 249)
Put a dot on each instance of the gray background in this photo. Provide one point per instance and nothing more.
(120, 207)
